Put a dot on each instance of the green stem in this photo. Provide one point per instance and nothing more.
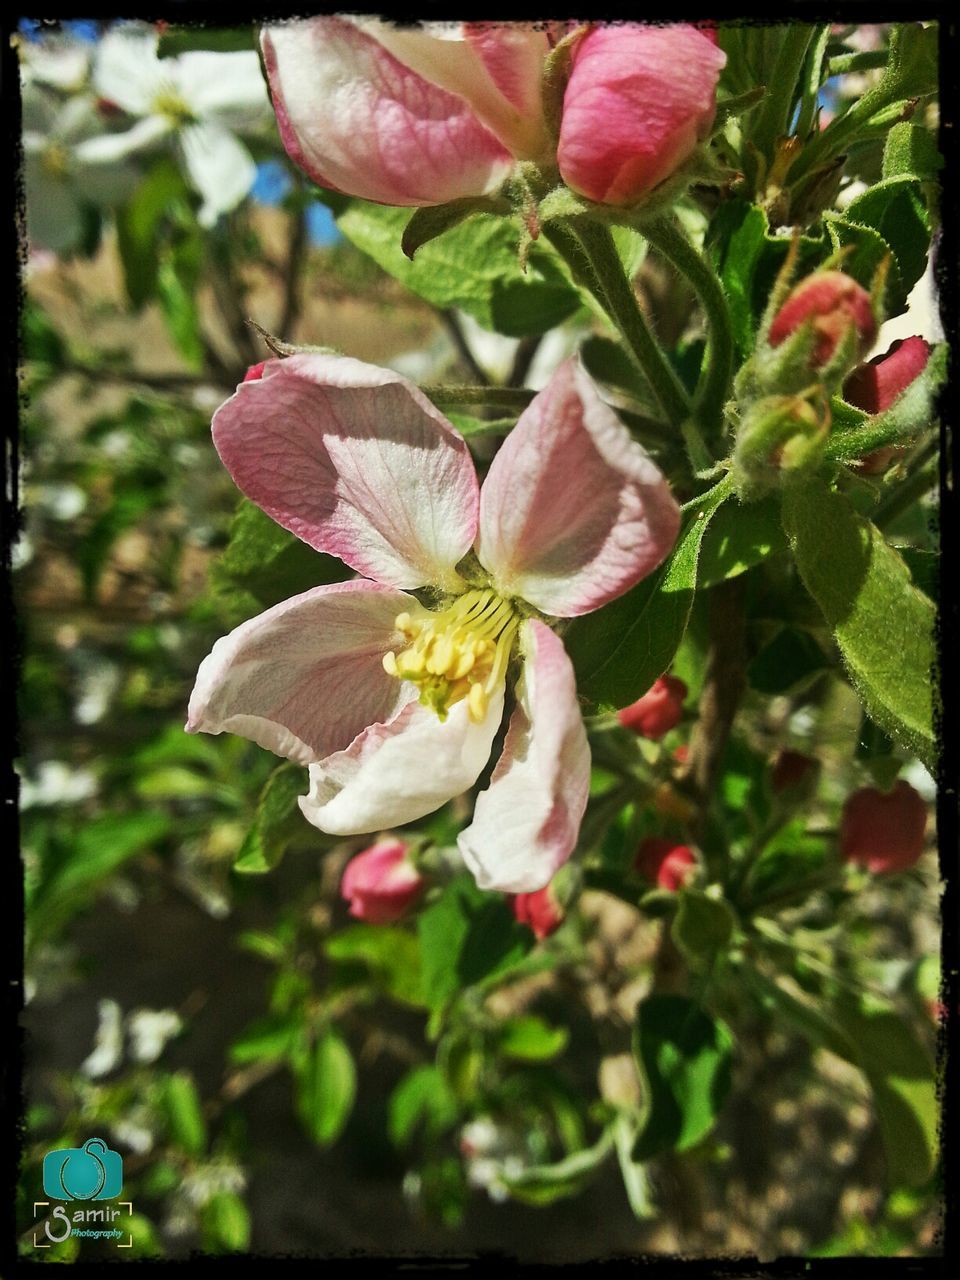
(869, 60)
(589, 250)
(714, 386)
(500, 397)
(915, 486)
(772, 119)
(812, 80)
(875, 433)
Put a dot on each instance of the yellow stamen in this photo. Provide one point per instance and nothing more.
(461, 652)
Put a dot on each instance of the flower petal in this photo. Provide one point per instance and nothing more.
(356, 119)
(110, 147)
(397, 772)
(220, 168)
(573, 511)
(525, 825)
(227, 86)
(357, 462)
(305, 677)
(127, 70)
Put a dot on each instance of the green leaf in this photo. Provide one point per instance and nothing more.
(467, 936)
(270, 562)
(277, 817)
(176, 40)
(911, 150)
(531, 1039)
(868, 250)
(702, 927)
(326, 1087)
(790, 660)
(474, 266)
(185, 1113)
(139, 224)
(619, 651)
(132, 500)
(895, 208)
(883, 625)
(684, 1056)
(430, 221)
(791, 859)
(421, 1097)
(740, 536)
(226, 1223)
(391, 954)
(268, 1037)
(105, 844)
(176, 294)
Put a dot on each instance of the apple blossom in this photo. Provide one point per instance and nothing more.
(420, 116)
(665, 863)
(392, 703)
(639, 100)
(540, 910)
(658, 711)
(831, 302)
(198, 99)
(381, 883)
(883, 830)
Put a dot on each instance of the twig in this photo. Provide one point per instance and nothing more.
(452, 326)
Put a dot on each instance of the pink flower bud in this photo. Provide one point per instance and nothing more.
(540, 910)
(883, 831)
(639, 100)
(665, 863)
(832, 301)
(791, 769)
(381, 883)
(255, 372)
(874, 386)
(658, 711)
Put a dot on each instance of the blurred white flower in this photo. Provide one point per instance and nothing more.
(149, 1030)
(198, 100)
(97, 687)
(133, 1133)
(58, 178)
(56, 783)
(55, 60)
(61, 501)
(108, 1043)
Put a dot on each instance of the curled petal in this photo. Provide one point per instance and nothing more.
(397, 772)
(573, 511)
(305, 677)
(525, 825)
(355, 461)
(356, 119)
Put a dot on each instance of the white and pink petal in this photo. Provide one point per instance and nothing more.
(573, 511)
(397, 772)
(358, 463)
(526, 823)
(357, 119)
(306, 677)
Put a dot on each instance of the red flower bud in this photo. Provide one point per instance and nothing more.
(790, 769)
(658, 711)
(883, 831)
(832, 301)
(682, 753)
(540, 910)
(665, 863)
(381, 883)
(874, 386)
(255, 372)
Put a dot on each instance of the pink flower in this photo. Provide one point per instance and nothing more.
(419, 116)
(831, 302)
(883, 831)
(658, 711)
(381, 883)
(540, 910)
(639, 100)
(394, 703)
(407, 116)
(665, 863)
(874, 386)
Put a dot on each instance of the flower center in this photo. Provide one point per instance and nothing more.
(55, 160)
(460, 653)
(168, 103)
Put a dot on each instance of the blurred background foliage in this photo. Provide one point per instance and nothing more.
(281, 1079)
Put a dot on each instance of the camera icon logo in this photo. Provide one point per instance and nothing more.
(90, 1172)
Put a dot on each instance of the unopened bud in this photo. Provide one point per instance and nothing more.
(831, 303)
(541, 911)
(381, 883)
(793, 772)
(883, 831)
(658, 711)
(665, 863)
(874, 386)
